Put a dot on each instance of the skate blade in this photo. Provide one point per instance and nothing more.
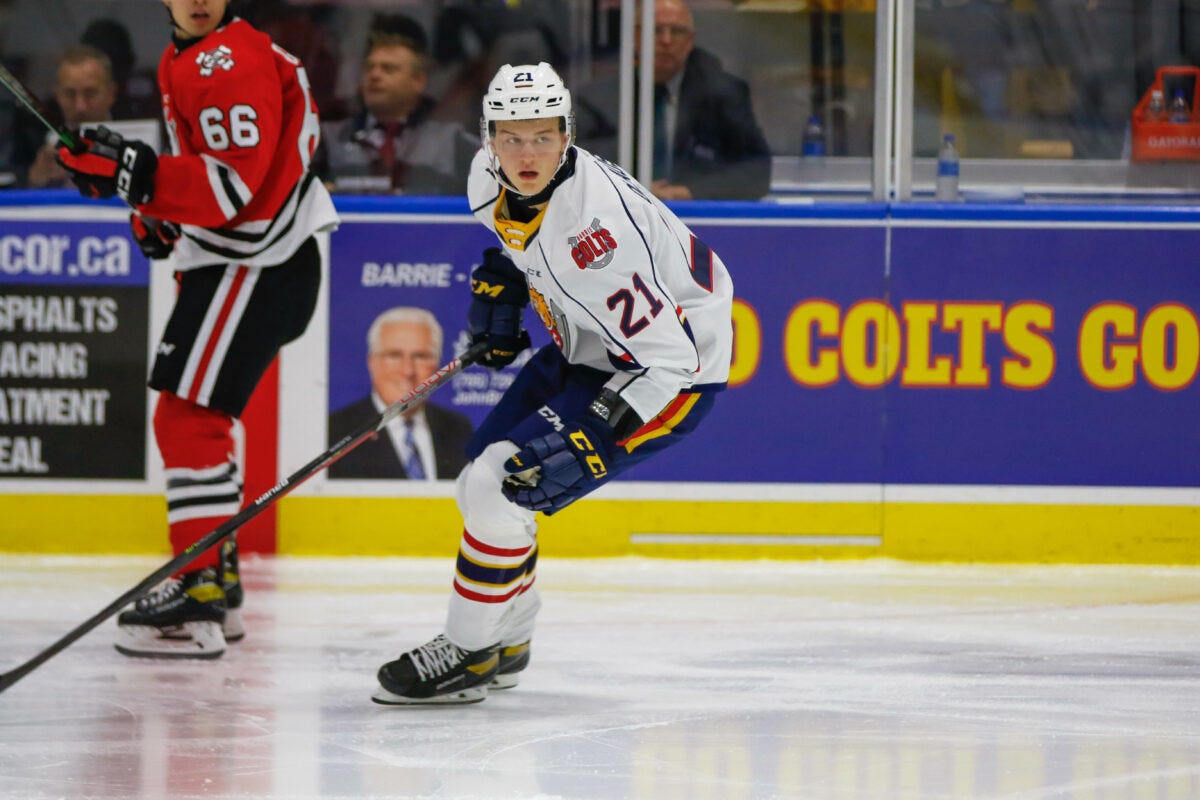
(201, 640)
(475, 694)
(233, 628)
(505, 681)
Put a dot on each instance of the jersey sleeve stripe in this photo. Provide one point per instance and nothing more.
(664, 423)
(230, 192)
(701, 264)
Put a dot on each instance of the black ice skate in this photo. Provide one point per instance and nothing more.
(180, 619)
(231, 583)
(437, 673)
(513, 659)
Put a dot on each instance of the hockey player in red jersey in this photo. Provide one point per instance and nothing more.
(640, 313)
(236, 208)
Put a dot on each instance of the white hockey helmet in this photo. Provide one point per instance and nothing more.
(526, 91)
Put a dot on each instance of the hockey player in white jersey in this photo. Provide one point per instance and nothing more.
(639, 311)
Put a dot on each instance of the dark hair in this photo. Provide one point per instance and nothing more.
(397, 29)
(111, 38)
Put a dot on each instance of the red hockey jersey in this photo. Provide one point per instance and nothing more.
(242, 126)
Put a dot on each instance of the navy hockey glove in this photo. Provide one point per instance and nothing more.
(499, 295)
(110, 165)
(155, 237)
(553, 471)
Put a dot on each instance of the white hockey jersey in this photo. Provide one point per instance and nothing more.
(619, 281)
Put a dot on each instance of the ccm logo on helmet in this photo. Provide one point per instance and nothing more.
(514, 100)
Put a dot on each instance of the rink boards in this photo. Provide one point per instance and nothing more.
(1001, 383)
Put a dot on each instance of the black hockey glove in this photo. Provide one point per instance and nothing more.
(155, 237)
(110, 165)
(499, 295)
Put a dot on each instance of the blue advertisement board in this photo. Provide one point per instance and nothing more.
(1068, 356)
(868, 351)
(379, 266)
(74, 306)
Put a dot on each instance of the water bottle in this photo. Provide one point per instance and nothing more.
(1156, 109)
(813, 145)
(1180, 110)
(946, 188)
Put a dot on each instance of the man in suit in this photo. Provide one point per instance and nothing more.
(708, 145)
(404, 347)
(395, 144)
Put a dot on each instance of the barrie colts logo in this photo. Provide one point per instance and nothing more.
(593, 247)
(219, 58)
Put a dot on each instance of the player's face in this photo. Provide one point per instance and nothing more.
(196, 18)
(392, 81)
(84, 92)
(404, 358)
(529, 151)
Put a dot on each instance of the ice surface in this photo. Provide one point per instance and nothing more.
(649, 679)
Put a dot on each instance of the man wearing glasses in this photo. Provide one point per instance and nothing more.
(707, 143)
(404, 347)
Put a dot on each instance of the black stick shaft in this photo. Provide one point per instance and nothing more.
(347, 443)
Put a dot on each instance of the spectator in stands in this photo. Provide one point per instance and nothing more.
(9, 171)
(708, 144)
(21, 134)
(84, 92)
(474, 38)
(393, 145)
(303, 30)
(137, 91)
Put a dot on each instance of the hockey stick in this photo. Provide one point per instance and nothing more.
(344, 446)
(30, 102)
(69, 139)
